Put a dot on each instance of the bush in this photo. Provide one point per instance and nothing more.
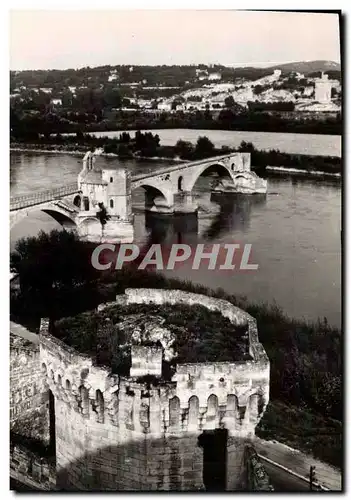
(200, 335)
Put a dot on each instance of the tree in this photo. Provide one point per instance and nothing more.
(102, 214)
(184, 149)
(124, 137)
(204, 147)
(246, 147)
(258, 89)
(51, 261)
(229, 102)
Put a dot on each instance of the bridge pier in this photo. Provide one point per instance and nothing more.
(179, 203)
(157, 204)
(185, 203)
(115, 230)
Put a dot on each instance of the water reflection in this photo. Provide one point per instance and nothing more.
(234, 214)
(167, 230)
(231, 212)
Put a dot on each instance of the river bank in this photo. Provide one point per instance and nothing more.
(124, 147)
(292, 171)
(80, 152)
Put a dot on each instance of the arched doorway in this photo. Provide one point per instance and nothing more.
(214, 445)
(52, 427)
(180, 184)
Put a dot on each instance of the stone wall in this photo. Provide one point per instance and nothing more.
(146, 360)
(113, 433)
(30, 466)
(257, 477)
(236, 315)
(117, 433)
(29, 412)
(92, 455)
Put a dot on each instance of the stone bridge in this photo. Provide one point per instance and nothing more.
(167, 190)
(170, 189)
(57, 202)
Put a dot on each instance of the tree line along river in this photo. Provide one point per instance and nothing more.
(309, 144)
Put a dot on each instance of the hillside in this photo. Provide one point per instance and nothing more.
(306, 67)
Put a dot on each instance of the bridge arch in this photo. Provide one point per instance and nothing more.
(220, 168)
(58, 214)
(155, 196)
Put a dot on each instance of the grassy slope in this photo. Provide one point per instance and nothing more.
(304, 430)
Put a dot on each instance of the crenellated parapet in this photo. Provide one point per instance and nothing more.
(153, 420)
(200, 396)
(73, 378)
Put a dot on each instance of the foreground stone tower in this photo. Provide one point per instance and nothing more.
(145, 433)
(109, 189)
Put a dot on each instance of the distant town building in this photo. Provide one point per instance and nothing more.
(56, 102)
(277, 73)
(164, 106)
(215, 76)
(46, 90)
(308, 91)
(112, 78)
(143, 103)
(201, 72)
(113, 75)
(322, 91)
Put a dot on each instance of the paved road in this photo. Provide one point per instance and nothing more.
(298, 462)
(283, 481)
(21, 331)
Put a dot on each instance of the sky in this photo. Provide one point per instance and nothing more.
(48, 39)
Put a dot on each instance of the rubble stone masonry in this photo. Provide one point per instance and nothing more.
(28, 402)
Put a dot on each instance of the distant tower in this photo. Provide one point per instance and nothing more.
(322, 91)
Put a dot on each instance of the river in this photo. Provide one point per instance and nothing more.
(308, 144)
(294, 232)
